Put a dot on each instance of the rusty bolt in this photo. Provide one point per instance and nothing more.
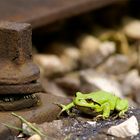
(16, 66)
(18, 74)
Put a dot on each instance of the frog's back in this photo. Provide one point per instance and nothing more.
(102, 96)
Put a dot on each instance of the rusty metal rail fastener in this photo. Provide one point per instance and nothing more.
(18, 74)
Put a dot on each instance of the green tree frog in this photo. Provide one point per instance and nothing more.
(100, 102)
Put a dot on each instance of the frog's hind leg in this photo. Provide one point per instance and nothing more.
(122, 107)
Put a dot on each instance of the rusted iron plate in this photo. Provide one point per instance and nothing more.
(20, 89)
(14, 103)
(47, 111)
(42, 12)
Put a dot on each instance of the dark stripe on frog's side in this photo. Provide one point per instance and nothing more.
(103, 97)
(90, 100)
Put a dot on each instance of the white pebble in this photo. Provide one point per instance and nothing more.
(93, 123)
(126, 129)
(34, 137)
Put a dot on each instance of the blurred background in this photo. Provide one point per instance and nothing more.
(83, 45)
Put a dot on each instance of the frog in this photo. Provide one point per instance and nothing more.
(99, 102)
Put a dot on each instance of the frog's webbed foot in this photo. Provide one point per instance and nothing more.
(100, 117)
(122, 115)
(114, 117)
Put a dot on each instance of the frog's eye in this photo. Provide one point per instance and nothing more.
(92, 101)
(89, 100)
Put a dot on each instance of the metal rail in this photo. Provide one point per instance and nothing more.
(42, 12)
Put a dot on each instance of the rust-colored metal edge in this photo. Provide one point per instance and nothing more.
(41, 12)
(47, 111)
(20, 89)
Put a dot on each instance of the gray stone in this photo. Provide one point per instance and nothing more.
(116, 64)
(131, 85)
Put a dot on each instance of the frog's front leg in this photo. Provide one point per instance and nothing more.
(66, 108)
(105, 109)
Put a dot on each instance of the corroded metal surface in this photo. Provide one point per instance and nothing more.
(18, 102)
(47, 111)
(42, 12)
(20, 89)
(16, 66)
(18, 74)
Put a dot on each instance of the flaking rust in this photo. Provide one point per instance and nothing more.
(18, 74)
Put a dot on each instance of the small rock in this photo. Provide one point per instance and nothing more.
(93, 123)
(27, 130)
(87, 43)
(131, 29)
(34, 137)
(131, 85)
(127, 84)
(116, 64)
(128, 128)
